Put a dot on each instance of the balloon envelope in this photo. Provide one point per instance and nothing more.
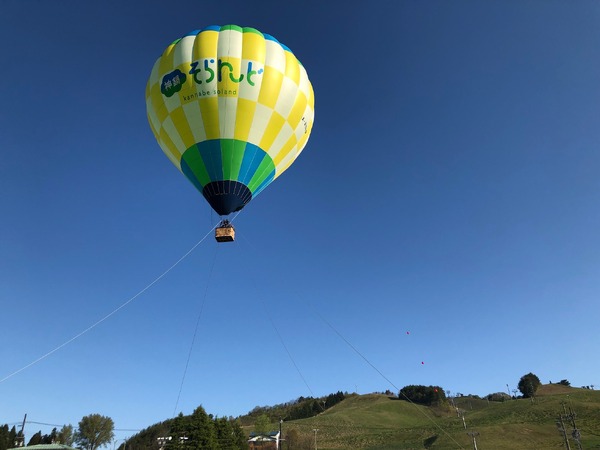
(232, 108)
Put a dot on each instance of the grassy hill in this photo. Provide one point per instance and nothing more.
(378, 422)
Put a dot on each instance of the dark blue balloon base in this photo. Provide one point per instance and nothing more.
(226, 196)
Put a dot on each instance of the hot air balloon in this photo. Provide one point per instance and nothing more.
(232, 108)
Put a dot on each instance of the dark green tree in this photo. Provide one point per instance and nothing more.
(230, 435)
(240, 439)
(65, 435)
(12, 437)
(224, 432)
(94, 431)
(51, 438)
(4, 438)
(202, 434)
(333, 399)
(36, 439)
(180, 427)
(528, 384)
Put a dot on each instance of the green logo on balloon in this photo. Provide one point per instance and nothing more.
(203, 71)
(172, 82)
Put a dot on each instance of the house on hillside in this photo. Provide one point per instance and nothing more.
(269, 441)
(45, 447)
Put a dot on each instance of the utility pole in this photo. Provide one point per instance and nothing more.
(280, 435)
(452, 402)
(315, 430)
(576, 434)
(561, 427)
(473, 435)
(20, 438)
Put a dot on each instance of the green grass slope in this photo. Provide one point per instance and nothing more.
(377, 422)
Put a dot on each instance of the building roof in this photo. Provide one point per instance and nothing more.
(270, 433)
(272, 436)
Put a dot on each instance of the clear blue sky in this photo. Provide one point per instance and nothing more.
(445, 211)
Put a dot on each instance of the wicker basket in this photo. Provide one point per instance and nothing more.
(225, 234)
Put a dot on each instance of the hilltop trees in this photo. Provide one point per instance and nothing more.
(423, 395)
(498, 397)
(227, 433)
(301, 408)
(528, 384)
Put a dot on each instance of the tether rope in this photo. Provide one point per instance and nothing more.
(189, 356)
(363, 357)
(288, 351)
(386, 378)
(280, 337)
(112, 313)
(187, 363)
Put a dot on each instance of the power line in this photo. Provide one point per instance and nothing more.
(55, 425)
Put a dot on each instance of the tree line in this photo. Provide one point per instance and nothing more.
(301, 408)
(204, 431)
(93, 432)
(435, 395)
(10, 438)
(196, 431)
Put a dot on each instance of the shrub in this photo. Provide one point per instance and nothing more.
(498, 397)
(423, 395)
(528, 384)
